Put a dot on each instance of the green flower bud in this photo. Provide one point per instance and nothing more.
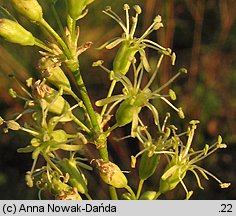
(29, 8)
(148, 195)
(76, 178)
(76, 7)
(111, 174)
(15, 33)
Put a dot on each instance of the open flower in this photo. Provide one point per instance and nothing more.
(153, 148)
(134, 98)
(129, 44)
(184, 159)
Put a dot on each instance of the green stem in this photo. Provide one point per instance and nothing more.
(86, 99)
(113, 193)
(71, 23)
(67, 52)
(84, 95)
(128, 188)
(140, 186)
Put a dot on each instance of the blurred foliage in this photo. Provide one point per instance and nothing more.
(203, 35)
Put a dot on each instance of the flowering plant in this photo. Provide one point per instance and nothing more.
(47, 104)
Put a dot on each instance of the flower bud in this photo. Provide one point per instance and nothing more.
(76, 7)
(111, 173)
(15, 33)
(29, 8)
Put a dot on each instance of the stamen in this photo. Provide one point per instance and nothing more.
(189, 142)
(134, 25)
(148, 31)
(155, 45)
(170, 104)
(126, 8)
(197, 178)
(154, 73)
(168, 82)
(115, 17)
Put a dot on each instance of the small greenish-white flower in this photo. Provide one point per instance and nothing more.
(134, 98)
(184, 159)
(129, 44)
(152, 149)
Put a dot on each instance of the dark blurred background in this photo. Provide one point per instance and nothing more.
(203, 35)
